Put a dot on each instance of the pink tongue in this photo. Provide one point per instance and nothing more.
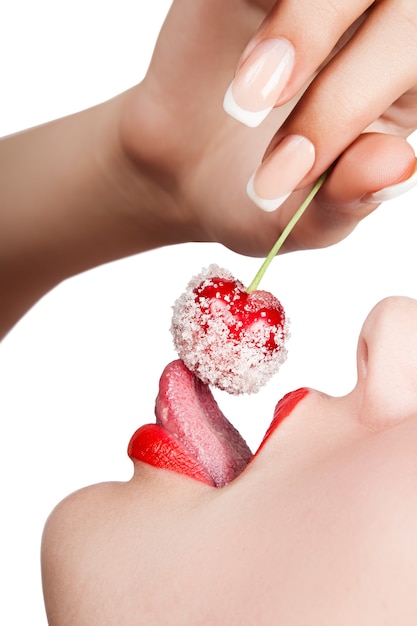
(186, 409)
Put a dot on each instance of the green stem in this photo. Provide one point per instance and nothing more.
(274, 251)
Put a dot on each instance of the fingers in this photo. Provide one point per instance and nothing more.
(355, 89)
(291, 44)
(375, 67)
(374, 167)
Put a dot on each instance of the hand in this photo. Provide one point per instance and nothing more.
(163, 164)
(361, 60)
(206, 158)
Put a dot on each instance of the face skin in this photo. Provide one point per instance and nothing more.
(320, 528)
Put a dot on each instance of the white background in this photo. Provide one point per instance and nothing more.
(79, 373)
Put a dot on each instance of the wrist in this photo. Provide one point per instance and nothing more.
(154, 159)
(135, 205)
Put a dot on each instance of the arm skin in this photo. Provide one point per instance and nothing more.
(71, 200)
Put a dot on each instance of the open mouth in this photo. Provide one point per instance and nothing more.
(191, 435)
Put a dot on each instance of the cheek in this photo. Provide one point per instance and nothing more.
(375, 504)
(351, 524)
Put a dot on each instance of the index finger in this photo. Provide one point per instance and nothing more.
(376, 67)
(292, 43)
(370, 72)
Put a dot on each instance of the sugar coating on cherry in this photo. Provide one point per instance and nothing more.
(229, 338)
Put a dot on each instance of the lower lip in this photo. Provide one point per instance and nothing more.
(283, 409)
(152, 445)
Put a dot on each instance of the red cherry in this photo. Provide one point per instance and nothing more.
(228, 337)
(242, 312)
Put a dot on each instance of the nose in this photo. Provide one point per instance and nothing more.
(387, 364)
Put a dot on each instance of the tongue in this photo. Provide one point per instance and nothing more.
(186, 409)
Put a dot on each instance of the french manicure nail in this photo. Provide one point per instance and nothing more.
(389, 193)
(281, 172)
(259, 81)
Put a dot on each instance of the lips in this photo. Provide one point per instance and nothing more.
(191, 435)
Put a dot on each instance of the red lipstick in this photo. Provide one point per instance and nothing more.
(151, 444)
(283, 409)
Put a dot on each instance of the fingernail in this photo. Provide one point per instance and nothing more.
(281, 172)
(389, 193)
(259, 81)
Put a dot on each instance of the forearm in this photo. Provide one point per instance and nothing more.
(70, 199)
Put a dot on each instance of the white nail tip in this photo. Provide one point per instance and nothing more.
(389, 193)
(266, 204)
(249, 118)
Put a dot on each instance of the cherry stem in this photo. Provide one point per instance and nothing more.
(282, 238)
